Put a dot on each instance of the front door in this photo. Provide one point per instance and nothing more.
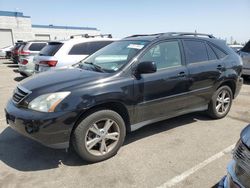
(162, 93)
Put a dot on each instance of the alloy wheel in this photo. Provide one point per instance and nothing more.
(223, 102)
(102, 137)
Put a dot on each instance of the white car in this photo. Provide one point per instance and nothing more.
(236, 47)
(27, 52)
(4, 50)
(60, 54)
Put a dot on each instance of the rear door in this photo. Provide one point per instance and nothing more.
(205, 69)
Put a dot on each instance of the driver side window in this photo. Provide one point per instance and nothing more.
(165, 55)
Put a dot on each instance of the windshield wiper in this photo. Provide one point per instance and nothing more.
(98, 68)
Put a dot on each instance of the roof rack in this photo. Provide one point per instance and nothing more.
(188, 34)
(173, 34)
(91, 36)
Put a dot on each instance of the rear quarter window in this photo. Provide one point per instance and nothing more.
(211, 53)
(37, 46)
(220, 54)
(51, 49)
(88, 48)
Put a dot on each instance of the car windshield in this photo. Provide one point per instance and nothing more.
(114, 56)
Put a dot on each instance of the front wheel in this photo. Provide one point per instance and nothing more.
(99, 136)
(220, 103)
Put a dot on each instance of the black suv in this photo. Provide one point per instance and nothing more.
(124, 86)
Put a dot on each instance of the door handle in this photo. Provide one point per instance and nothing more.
(181, 74)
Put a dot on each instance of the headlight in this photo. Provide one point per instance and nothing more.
(47, 102)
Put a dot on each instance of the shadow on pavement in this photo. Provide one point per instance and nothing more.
(8, 63)
(15, 70)
(23, 154)
(247, 81)
(19, 78)
(12, 66)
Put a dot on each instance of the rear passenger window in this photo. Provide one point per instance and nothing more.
(218, 52)
(88, 48)
(195, 51)
(37, 46)
(211, 54)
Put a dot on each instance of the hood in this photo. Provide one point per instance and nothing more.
(52, 81)
(245, 136)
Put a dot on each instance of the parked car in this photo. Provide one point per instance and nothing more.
(65, 53)
(239, 168)
(245, 55)
(27, 52)
(15, 51)
(124, 86)
(3, 51)
(236, 47)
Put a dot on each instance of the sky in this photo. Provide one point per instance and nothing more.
(226, 19)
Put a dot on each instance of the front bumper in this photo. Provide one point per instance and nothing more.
(50, 129)
(230, 181)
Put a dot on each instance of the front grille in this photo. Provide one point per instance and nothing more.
(19, 94)
(241, 155)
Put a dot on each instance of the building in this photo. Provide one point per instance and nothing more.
(15, 26)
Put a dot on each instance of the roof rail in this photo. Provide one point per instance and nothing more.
(173, 34)
(91, 36)
(188, 34)
(142, 35)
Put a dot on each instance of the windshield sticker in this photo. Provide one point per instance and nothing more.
(135, 46)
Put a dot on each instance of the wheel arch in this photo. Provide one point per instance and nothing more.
(116, 106)
(230, 83)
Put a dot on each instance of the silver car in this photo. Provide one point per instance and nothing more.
(29, 50)
(245, 55)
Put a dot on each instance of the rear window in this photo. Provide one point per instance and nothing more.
(195, 51)
(37, 46)
(51, 49)
(88, 48)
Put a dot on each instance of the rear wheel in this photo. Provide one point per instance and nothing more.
(99, 136)
(220, 103)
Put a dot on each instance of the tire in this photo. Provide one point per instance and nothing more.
(219, 112)
(99, 121)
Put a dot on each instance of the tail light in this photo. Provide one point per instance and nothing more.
(24, 53)
(50, 63)
(24, 62)
(15, 52)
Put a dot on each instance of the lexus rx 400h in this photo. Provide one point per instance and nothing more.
(126, 85)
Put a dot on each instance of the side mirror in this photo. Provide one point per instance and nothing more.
(146, 67)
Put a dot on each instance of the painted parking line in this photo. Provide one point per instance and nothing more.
(177, 179)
